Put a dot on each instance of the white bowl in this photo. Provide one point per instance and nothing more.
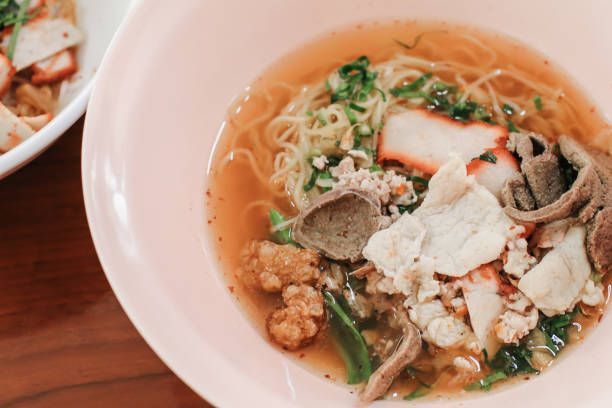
(98, 19)
(162, 93)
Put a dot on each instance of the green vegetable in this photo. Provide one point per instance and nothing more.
(375, 168)
(442, 87)
(418, 179)
(596, 277)
(508, 110)
(351, 116)
(349, 342)
(309, 113)
(313, 178)
(406, 90)
(416, 39)
(382, 93)
(511, 127)
(555, 330)
(412, 372)
(282, 236)
(364, 130)
(325, 189)
(327, 86)
(487, 156)
(357, 81)
(18, 22)
(381, 125)
(512, 360)
(418, 392)
(321, 119)
(403, 208)
(538, 102)
(365, 149)
(357, 108)
(485, 383)
(325, 175)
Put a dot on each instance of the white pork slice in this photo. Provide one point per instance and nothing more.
(555, 284)
(7, 71)
(13, 130)
(41, 38)
(460, 225)
(481, 290)
(423, 140)
(55, 68)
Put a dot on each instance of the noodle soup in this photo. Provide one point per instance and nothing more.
(328, 133)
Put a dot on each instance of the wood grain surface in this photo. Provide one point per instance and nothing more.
(64, 339)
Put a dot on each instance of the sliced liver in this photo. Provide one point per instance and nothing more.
(339, 223)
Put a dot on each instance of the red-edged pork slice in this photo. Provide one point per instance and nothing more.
(41, 38)
(7, 71)
(423, 140)
(481, 290)
(37, 122)
(33, 6)
(13, 130)
(493, 176)
(54, 69)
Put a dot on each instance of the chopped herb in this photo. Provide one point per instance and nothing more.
(325, 189)
(313, 179)
(337, 143)
(309, 113)
(508, 110)
(357, 141)
(365, 149)
(481, 114)
(512, 360)
(511, 127)
(325, 175)
(487, 156)
(321, 119)
(381, 125)
(333, 161)
(538, 102)
(402, 92)
(485, 383)
(349, 342)
(357, 108)
(442, 87)
(416, 39)
(327, 86)
(418, 179)
(282, 236)
(382, 93)
(403, 208)
(18, 22)
(375, 167)
(364, 130)
(358, 81)
(596, 277)
(351, 116)
(418, 392)
(555, 330)
(412, 373)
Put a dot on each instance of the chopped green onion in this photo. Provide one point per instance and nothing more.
(538, 102)
(325, 189)
(418, 392)
(313, 179)
(21, 17)
(508, 110)
(375, 167)
(357, 140)
(282, 236)
(485, 383)
(382, 93)
(349, 342)
(397, 92)
(381, 125)
(596, 277)
(309, 113)
(403, 208)
(511, 127)
(327, 86)
(412, 373)
(351, 116)
(357, 108)
(365, 149)
(321, 119)
(418, 179)
(364, 130)
(325, 175)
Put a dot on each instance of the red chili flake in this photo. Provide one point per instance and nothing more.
(302, 355)
(210, 221)
(65, 35)
(599, 318)
(231, 289)
(220, 239)
(592, 109)
(546, 62)
(359, 26)
(328, 376)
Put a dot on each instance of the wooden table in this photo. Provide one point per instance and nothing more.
(64, 339)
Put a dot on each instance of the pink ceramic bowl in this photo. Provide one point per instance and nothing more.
(161, 95)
